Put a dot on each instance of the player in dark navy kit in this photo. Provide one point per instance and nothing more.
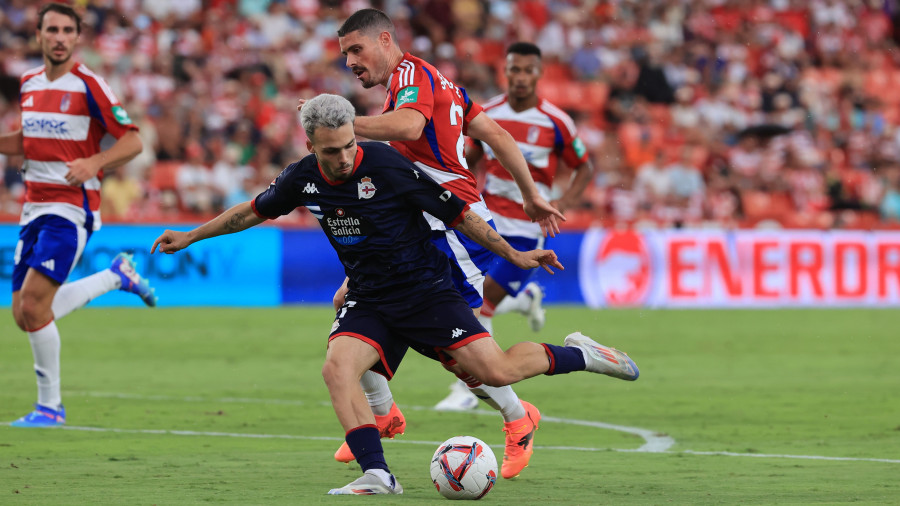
(369, 201)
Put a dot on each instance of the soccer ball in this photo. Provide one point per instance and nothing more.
(463, 467)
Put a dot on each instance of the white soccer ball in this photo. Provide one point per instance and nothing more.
(463, 467)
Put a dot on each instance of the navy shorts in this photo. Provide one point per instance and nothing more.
(442, 322)
(49, 244)
(512, 278)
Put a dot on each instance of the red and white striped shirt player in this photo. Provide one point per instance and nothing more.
(66, 111)
(63, 120)
(546, 136)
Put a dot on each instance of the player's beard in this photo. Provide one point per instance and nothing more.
(58, 61)
(369, 81)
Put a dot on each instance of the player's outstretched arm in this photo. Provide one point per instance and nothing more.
(479, 231)
(238, 218)
(485, 129)
(12, 143)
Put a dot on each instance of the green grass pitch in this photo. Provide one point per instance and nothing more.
(227, 405)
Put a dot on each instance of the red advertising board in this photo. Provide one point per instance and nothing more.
(700, 268)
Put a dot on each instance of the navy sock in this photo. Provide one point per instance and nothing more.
(365, 443)
(563, 359)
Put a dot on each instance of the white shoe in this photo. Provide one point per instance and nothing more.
(368, 484)
(536, 313)
(602, 359)
(460, 399)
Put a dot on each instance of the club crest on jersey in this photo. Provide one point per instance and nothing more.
(65, 102)
(533, 134)
(365, 188)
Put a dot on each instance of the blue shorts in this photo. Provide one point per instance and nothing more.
(513, 279)
(442, 322)
(51, 245)
(469, 262)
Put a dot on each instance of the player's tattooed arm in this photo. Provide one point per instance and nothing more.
(239, 217)
(479, 231)
(235, 223)
(490, 235)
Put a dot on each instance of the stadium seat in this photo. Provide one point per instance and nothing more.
(163, 175)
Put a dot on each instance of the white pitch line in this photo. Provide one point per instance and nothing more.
(654, 442)
(434, 443)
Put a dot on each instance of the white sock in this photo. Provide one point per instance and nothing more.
(378, 393)
(45, 344)
(381, 473)
(77, 294)
(520, 303)
(487, 322)
(503, 399)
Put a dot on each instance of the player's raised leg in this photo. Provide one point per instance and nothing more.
(345, 361)
(484, 360)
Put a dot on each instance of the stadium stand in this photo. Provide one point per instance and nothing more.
(782, 102)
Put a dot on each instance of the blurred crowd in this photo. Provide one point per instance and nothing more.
(695, 112)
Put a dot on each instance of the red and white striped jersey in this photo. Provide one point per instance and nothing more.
(545, 135)
(63, 120)
(439, 152)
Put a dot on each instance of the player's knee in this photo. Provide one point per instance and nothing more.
(330, 371)
(335, 372)
(31, 312)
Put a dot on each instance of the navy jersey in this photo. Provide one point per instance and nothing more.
(373, 220)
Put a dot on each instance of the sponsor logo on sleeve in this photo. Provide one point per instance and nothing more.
(578, 146)
(120, 115)
(408, 95)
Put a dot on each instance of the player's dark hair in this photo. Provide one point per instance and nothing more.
(523, 48)
(61, 9)
(367, 21)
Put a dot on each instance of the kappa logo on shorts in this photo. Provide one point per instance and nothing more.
(457, 332)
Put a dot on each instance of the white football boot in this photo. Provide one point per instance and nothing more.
(603, 359)
(368, 484)
(460, 399)
(536, 314)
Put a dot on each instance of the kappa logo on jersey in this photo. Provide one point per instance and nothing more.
(409, 95)
(457, 332)
(310, 188)
(365, 188)
(120, 114)
(29, 102)
(50, 265)
(65, 102)
(617, 269)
